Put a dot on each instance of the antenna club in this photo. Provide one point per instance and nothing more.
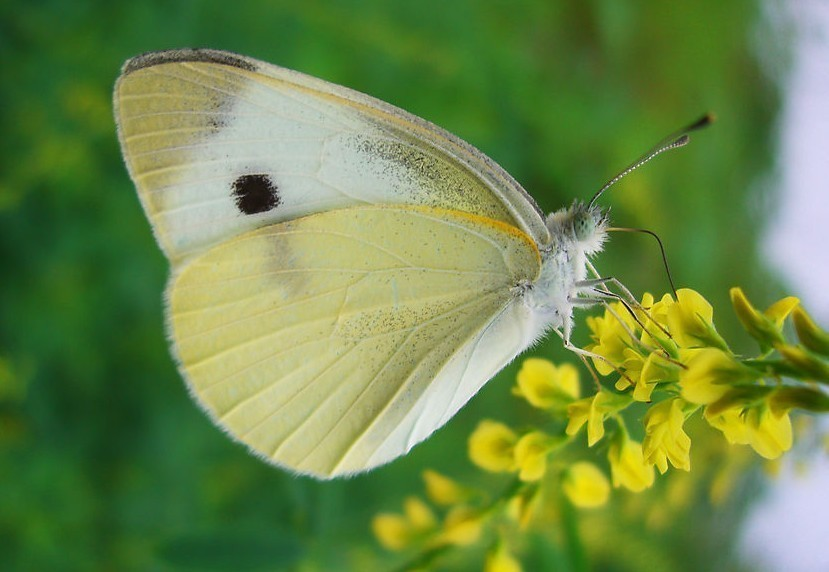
(703, 121)
(681, 141)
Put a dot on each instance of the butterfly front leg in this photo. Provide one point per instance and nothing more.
(584, 354)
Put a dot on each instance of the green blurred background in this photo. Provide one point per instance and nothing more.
(106, 463)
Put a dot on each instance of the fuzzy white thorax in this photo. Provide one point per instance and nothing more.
(578, 232)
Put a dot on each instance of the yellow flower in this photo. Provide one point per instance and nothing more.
(732, 424)
(491, 447)
(581, 412)
(522, 506)
(709, 374)
(657, 312)
(690, 321)
(500, 560)
(809, 333)
(441, 489)
(645, 372)
(495, 447)
(391, 530)
(628, 467)
(612, 336)
(767, 429)
(647, 305)
(771, 434)
(462, 527)
(396, 532)
(585, 485)
(531, 455)
(631, 365)
(665, 439)
(765, 327)
(593, 411)
(418, 514)
(655, 369)
(546, 386)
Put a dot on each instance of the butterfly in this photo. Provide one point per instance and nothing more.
(344, 275)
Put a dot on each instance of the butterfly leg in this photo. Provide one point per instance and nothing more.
(583, 354)
(626, 298)
(600, 290)
(604, 295)
(603, 282)
(635, 304)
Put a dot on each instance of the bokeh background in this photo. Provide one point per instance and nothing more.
(106, 464)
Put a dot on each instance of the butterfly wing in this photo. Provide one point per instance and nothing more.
(219, 144)
(333, 343)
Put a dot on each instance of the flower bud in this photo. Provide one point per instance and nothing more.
(809, 333)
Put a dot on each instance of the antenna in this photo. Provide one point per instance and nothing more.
(675, 140)
(661, 249)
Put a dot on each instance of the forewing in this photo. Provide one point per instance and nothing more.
(219, 144)
(333, 343)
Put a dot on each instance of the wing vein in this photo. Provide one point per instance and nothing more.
(404, 382)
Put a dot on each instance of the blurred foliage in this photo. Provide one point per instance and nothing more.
(106, 463)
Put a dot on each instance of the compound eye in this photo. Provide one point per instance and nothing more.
(584, 225)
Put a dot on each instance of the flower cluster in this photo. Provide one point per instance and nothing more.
(668, 353)
(453, 517)
(665, 356)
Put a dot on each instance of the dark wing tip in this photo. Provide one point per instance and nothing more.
(150, 59)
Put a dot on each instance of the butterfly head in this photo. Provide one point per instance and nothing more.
(580, 224)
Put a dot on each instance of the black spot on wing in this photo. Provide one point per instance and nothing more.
(255, 194)
(150, 59)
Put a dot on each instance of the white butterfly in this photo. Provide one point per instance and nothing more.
(345, 275)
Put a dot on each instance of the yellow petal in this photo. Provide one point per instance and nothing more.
(441, 489)
(544, 385)
(690, 321)
(780, 310)
(765, 327)
(809, 333)
(772, 434)
(522, 506)
(665, 440)
(391, 530)
(500, 560)
(612, 334)
(595, 421)
(462, 527)
(491, 446)
(531, 455)
(578, 414)
(628, 467)
(709, 374)
(419, 514)
(732, 424)
(656, 369)
(658, 312)
(744, 309)
(593, 411)
(585, 485)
